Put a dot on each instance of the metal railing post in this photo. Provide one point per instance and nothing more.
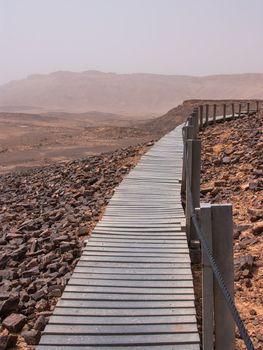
(195, 123)
(248, 108)
(222, 242)
(201, 123)
(233, 110)
(205, 219)
(257, 106)
(193, 168)
(214, 114)
(206, 114)
(188, 132)
(224, 112)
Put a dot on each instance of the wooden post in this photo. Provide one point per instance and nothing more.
(189, 164)
(214, 114)
(195, 125)
(224, 112)
(194, 165)
(183, 184)
(257, 106)
(206, 114)
(248, 108)
(205, 218)
(239, 110)
(233, 110)
(188, 132)
(201, 117)
(190, 120)
(222, 228)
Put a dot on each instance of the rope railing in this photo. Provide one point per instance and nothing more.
(195, 231)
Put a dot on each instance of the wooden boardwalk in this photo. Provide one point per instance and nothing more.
(132, 288)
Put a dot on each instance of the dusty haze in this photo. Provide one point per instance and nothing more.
(125, 94)
(186, 37)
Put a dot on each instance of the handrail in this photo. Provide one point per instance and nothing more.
(198, 229)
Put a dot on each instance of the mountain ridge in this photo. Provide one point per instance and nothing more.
(128, 94)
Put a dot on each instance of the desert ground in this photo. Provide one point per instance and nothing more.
(58, 172)
(35, 139)
(29, 140)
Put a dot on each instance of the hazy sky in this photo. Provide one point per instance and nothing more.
(190, 37)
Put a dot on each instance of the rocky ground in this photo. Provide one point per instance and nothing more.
(232, 172)
(45, 213)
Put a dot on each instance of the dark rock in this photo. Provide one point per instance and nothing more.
(19, 253)
(258, 228)
(246, 262)
(243, 227)
(33, 263)
(4, 295)
(55, 293)
(32, 272)
(38, 295)
(226, 160)
(4, 260)
(40, 323)
(42, 305)
(217, 162)
(24, 297)
(65, 247)
(83, 231)
(31, 337)
(46, 259)
(220, 183)
(252, 312)
(248, 282)
(14, 322)
(9, 305)
(7, 341)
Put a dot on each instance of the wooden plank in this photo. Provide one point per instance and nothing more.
(132, 283)
(139, 254)
(136, 339)
(139, 240)
(178, 240)
(82, 271)
(121, 329)
(91, 304)
(131, 271)
(127, 297)
(179, 258)
(122, 320)
(83, 274)
(122, 312)
(106, 264)
(131, 245)
(105, 225)
(150, 231)
(128, 290)
(129, 347)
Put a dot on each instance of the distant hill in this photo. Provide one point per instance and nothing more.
(125, 94)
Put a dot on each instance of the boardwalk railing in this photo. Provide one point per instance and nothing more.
(211, 225)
